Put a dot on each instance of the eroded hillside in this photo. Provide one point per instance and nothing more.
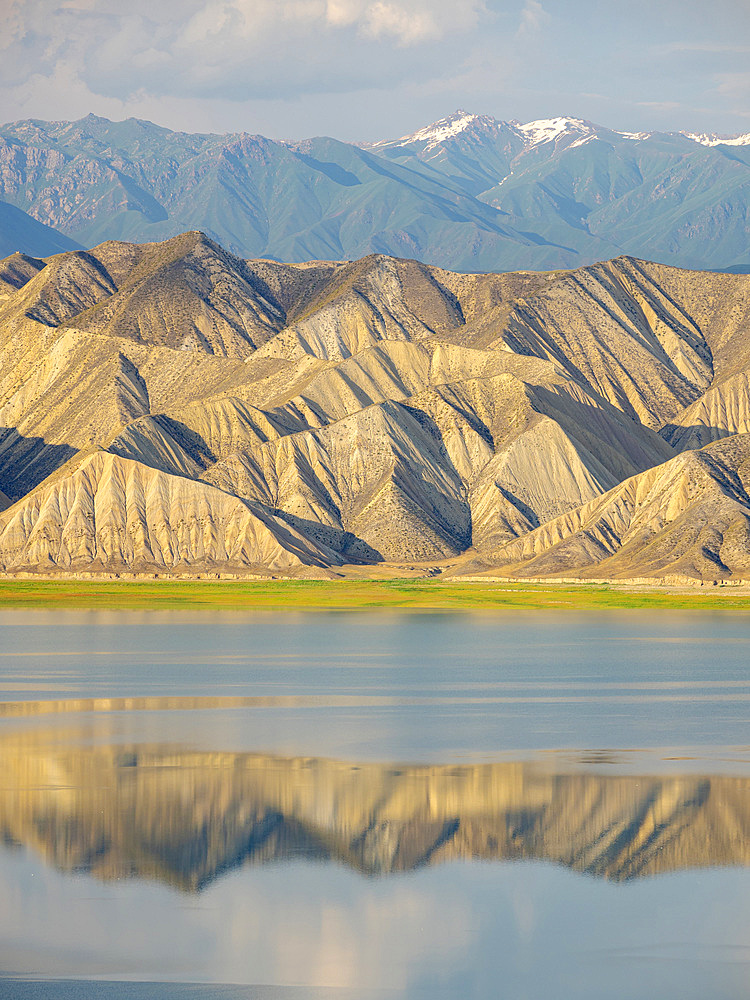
(170, 408)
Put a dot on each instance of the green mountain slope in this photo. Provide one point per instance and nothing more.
(598, 192)
(468, 193)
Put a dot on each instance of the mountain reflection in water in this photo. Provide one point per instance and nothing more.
(153, 812)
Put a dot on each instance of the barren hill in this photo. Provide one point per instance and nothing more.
(171, 408)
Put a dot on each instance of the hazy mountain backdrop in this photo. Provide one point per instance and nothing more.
(467, 193)
(20, 231)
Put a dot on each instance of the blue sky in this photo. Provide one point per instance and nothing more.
(369, 69)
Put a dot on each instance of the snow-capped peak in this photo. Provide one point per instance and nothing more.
(712, 139)
(567, 133)
(439, 131)
(551, 129)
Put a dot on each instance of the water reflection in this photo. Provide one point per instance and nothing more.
(144, 837)
(185, 817)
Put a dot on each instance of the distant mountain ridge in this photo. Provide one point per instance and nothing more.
(543, 130)
(20, 233)
(468, 192)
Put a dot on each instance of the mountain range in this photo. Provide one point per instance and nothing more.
(18, 230)
(171, 408)
(467, 193)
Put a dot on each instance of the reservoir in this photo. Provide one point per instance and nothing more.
(333, 805)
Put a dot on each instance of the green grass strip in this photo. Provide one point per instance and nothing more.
(357, 594)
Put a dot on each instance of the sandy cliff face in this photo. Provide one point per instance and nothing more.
(377, 410)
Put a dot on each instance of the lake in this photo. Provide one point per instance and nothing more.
(374, 804)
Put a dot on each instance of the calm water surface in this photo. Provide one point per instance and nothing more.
(319, 805)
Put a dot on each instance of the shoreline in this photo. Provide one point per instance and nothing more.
(362, 594)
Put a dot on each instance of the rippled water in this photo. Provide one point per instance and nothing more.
(367, 804)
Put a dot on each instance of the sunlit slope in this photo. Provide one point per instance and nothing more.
(111, 513)
(689, 517)
(379, 410)
(186, 818)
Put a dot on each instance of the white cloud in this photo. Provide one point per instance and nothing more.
(533, 17)
(735, 86)
(406, 27)
(373, 68)
(342, 13)
(228, 49)
(408, 22)
(660, 105)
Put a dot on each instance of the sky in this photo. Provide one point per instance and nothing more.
(370, 69)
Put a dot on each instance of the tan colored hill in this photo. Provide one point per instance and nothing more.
(370, 411)
(187, 817)
(108, 512)
(722, 410)
(689, 517)
(15, 271)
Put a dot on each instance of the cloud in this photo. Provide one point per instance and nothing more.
(533, 18)
(406, 27)
(374, 68)
(735, 86)
(719, 48)
(659, 105)
(230, 49)
(406, 23)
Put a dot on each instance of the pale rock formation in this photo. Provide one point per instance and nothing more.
(723, 410)
(689, 517)
(368, 411)
(110, 512)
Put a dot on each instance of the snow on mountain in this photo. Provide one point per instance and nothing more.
(712, 139)
(552, 129)
(572, 131)
(439, 131)
(531, 134)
